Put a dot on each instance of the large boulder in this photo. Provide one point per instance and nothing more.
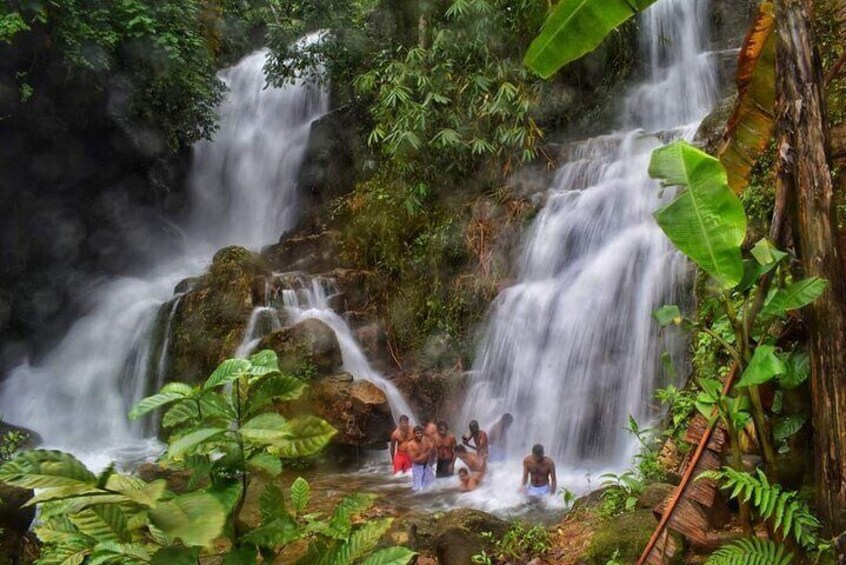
(625, 535)
(14, 524)
(210, 320)
(458, 536)
(306, 349)
(358, 409)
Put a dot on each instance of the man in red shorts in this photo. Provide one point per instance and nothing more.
(399, 451)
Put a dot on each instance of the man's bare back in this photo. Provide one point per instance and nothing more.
(445, 446)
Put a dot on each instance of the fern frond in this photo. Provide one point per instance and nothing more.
(752, 551)
(783, 509)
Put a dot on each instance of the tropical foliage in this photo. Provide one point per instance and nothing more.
(227, 434)
(752, 551)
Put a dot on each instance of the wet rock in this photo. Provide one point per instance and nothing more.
(459, 535)
(306, 349)
(357, 409)
(13, 518)
(432, 394)
(626, 534)
(210, 320)
(653, 495)
(312, 253)
(710, 134)
(186, 285)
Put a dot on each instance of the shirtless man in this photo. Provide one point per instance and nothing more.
(399, 454)
(497, 437)
(420, 450)
(542, 472)
(474, 462)
(445, 448)
(469, 481)
(479, 437)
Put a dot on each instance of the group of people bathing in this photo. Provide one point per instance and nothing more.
(430, 452)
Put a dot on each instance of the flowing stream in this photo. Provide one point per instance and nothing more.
(242, 191)
(571, 350)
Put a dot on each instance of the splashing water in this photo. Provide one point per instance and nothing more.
(571, 350)
(243, 191)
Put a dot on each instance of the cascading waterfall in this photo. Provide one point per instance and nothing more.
(571, 349)
(311, 300)
(243, 191)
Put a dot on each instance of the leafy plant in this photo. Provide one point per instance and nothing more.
(575, 28)
(750, 551)
(110, 518)
(521, 543)
(783, 509)
(621, 492)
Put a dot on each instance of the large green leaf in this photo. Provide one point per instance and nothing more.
(798, 369)
(340, 525)
(794, 296)
(228, 371)
(265, 463)
(305, 436)
(272, 503)
(195, 518)
(175, 556)
(228, 494)
(61, 493)
(265, 428)
(104, 522)
(277, 532)
(764, 366)
(45, 469)
(788, 426)
(277, 387)
(137, 490)
(112, 553)
(361, 542)
(706, 220)
(575, 28)
(72, 551)
(152, 402)
(191, 440)
(390, 556)
(265, 361)
(668, 314)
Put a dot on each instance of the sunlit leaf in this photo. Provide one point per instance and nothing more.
(764, 366)
(227, 372)
(195, 518)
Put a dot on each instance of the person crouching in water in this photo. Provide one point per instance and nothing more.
(541, 469)
(445, 447)
(420, 450)
(469, 481)
(399, 453)
(475, 463)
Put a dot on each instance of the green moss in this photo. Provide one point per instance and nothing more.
(626, 535)
(759, 196)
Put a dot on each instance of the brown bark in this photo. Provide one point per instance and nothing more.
(799, 86)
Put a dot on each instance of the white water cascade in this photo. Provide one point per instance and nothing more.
(311, 300)
(243, 191)
(571, 350)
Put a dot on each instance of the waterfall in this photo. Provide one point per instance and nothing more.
(571, 349)
(311, 300)
(242, 191)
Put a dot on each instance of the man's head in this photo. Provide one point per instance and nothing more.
(460, 449)
(418, 433)
(442, 428)
(474, 427)
(463, 475)
(537, 451)
(403, 422)
(507, 419)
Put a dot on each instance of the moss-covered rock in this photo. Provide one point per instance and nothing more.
(458, 536)
(653, 495)
(14, 523)
(210, 320)
(627, 534)
(306, 349)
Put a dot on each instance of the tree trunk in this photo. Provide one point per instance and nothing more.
(799, 85)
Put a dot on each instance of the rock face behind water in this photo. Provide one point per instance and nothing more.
(14, 522)
(306, 349)
(357, 409)
(210, 321)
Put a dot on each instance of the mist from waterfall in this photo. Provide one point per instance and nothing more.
(571, 350)
(242, 191)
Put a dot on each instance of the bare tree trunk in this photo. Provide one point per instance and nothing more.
(799, 85)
